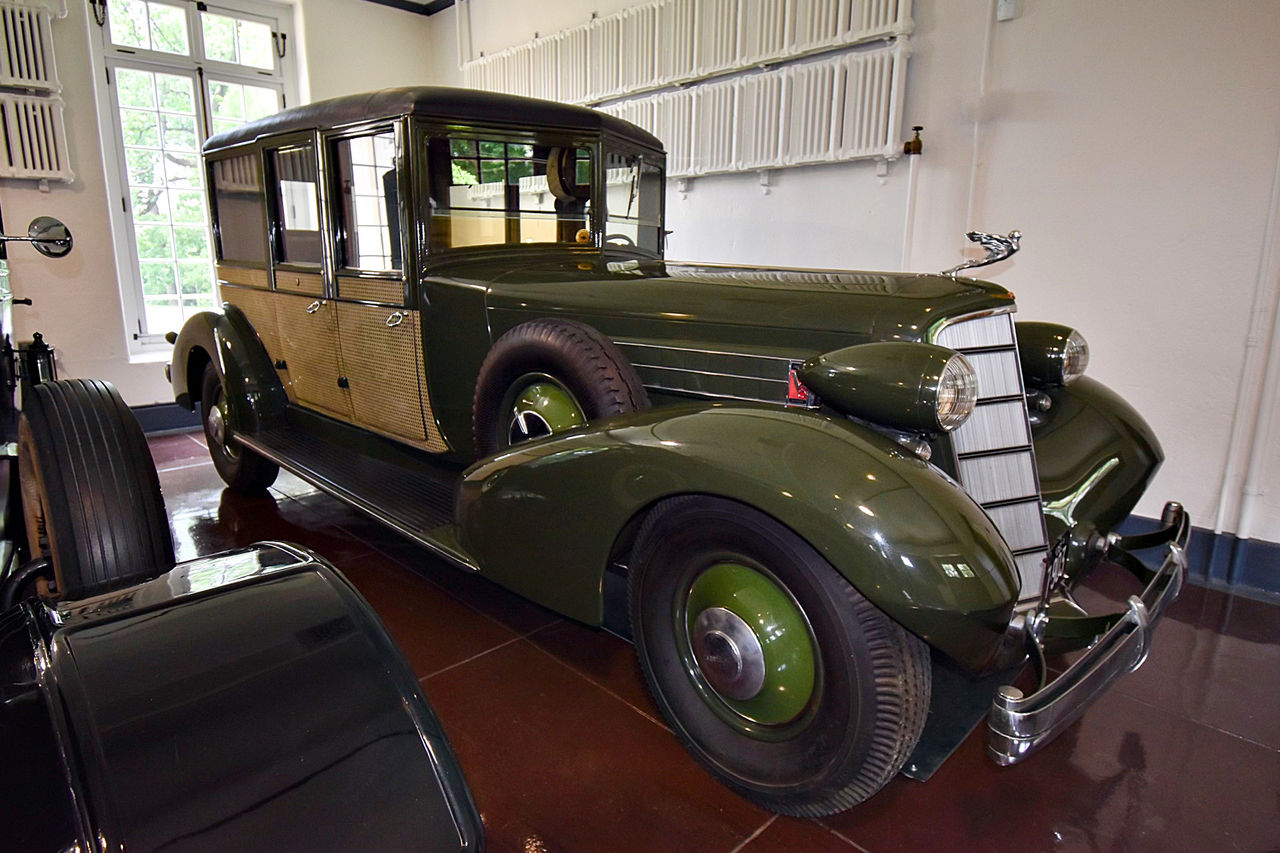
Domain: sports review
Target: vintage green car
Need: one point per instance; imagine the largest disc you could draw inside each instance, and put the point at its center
(800, 492)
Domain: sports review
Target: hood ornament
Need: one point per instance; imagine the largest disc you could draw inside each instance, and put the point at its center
(998, 248)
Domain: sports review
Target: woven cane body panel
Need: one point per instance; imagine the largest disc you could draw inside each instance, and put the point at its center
(309, 342)
(259, 307)
(244, 276)
(386, 291)
(383, 364)
(311, 284)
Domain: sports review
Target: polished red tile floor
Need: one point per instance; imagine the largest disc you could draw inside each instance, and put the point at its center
(565, 752)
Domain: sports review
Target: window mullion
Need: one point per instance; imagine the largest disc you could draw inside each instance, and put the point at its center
(161, 247)
(206, 122)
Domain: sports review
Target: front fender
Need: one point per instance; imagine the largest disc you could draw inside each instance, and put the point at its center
(257, 399)
(543, 519)
(1096, 456)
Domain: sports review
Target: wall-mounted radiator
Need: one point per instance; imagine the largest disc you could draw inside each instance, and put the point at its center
(32, 130)
(725, 118)
(35, 139)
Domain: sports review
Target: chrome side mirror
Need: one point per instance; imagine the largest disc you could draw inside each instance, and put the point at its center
(48, 235)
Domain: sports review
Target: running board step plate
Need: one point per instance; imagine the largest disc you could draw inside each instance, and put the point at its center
(413, 498)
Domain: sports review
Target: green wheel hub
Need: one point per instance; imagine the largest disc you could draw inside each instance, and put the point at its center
(748, 646)
(537, 406)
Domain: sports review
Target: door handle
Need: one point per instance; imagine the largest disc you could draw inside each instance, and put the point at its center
(395, 319)
(314, 307)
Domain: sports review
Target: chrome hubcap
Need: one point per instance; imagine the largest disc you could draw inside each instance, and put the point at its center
(728, 653)
(217, 424)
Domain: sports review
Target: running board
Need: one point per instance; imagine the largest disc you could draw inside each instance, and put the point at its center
(412, 497)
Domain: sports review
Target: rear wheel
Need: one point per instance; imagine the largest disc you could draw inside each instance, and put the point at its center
(91, 498)
(776, 673)
(238, 466)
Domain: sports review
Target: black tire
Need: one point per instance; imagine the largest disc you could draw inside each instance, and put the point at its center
(871, 679)
(238, 466)
(575, 356)
(91, 497)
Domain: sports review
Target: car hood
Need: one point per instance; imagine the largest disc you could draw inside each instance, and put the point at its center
(845, 306)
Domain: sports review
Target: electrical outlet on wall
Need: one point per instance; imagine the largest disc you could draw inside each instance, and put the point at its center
(1006, 10)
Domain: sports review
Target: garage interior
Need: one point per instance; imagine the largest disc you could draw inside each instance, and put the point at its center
(1135, 146)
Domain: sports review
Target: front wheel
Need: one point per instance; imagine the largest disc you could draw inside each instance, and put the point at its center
(779, 677)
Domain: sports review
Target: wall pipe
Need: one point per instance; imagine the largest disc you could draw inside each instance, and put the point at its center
(465, 51)
(1256, 394)
(977, 115)
(909, 221)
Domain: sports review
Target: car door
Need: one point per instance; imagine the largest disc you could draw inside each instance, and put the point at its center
(379, 330)
(306, 317)
(240, 232)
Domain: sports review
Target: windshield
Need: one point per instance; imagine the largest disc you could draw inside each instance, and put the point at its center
(634, 184)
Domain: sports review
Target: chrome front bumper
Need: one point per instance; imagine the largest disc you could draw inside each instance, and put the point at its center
(1018, 725)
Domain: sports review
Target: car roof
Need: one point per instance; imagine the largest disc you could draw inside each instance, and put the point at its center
(442, 102)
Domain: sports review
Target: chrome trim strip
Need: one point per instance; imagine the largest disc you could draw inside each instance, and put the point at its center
(649, 387)
(782, 381)
(456, 557)
(708, 351)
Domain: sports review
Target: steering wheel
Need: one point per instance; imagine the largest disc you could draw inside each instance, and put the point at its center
(619, 239)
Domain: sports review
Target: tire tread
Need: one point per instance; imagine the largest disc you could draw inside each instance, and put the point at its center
(606, 383)
(901, 673)
(102, 491)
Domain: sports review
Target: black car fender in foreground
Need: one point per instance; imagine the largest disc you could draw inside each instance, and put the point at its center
(249, 700)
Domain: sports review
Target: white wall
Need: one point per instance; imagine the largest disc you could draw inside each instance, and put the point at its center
(76, 301)
(1134, 144)
(353, 46)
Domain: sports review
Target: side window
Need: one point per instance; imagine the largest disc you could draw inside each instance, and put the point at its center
(367, 201)
(297, 199)
(240, 216)
(493, 191)
(634, 185)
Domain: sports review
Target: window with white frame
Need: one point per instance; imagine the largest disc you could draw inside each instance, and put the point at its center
(177, 72)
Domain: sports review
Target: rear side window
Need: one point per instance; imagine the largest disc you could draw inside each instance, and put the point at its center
(367, 200)
(297, 200)
(239, 209)
(489, 191)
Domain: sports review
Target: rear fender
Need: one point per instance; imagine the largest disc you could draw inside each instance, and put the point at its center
(1096, 456)
(256, 397)
(542, 519)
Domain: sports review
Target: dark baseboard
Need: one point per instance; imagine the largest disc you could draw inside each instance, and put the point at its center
(1249, 567)
(160, 418)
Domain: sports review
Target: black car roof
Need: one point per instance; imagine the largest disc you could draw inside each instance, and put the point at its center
(470, 106)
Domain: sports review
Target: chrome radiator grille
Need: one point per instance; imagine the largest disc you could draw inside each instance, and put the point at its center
(994, 458)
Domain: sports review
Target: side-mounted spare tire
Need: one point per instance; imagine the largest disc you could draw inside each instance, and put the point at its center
(546, 376)
(90, 493)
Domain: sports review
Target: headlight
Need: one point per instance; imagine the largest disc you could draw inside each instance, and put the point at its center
(1052, 355)
(1075, 357)
(958, 392)
(908, 387)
